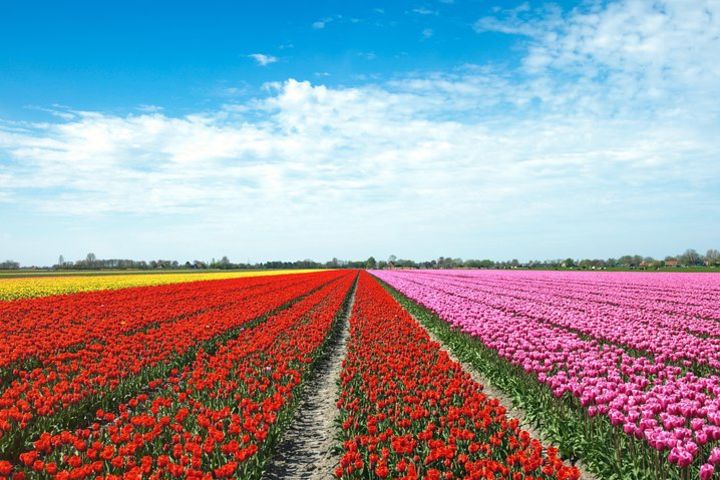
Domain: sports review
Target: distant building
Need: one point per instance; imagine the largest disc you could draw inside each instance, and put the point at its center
(671, 262)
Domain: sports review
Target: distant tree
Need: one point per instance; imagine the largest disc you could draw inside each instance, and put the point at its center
(61, 261)
(449, 262)
(371, 263)
(690, 258)
(632, 261)
(223, 263)
(89, 261)
(568, 263)
(392, 259)
(712, 257)
(403, 263)
(9, 265)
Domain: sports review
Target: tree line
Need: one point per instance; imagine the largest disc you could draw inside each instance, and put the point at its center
(91, 262)
(689, 259)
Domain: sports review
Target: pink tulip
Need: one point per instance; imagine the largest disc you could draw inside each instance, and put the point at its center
(715, 456)
(573, 332)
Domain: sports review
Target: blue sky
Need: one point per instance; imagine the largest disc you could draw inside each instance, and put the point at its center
(284, 130)
(186, 55)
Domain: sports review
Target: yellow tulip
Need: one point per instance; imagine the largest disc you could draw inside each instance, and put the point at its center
(41, 286)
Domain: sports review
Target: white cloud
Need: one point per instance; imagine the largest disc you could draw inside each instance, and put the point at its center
(424, 11)
(427, 32)
(263, 59)
(659, 45)
(366, 148)
(521, 20)
(671, 41)
(149, 108)
(323, 22)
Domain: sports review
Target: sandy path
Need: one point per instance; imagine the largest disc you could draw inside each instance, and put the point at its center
(305, 450)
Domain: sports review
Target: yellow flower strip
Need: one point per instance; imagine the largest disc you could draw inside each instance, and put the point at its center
(41, 286)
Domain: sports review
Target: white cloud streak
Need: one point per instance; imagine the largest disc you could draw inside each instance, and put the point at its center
(324, 22)
(424, 11)
(263, 59)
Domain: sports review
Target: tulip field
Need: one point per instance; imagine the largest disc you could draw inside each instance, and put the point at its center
(202, 376)
(409, 411)
(630, 358)
(40, 286)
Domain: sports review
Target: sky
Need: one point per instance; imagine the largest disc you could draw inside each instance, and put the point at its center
(292, 130)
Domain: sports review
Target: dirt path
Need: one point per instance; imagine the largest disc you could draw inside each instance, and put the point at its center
(305, 451)
(505, 401)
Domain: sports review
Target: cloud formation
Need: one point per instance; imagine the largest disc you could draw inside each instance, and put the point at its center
(263, 59)
(607, 119)
(424, 11)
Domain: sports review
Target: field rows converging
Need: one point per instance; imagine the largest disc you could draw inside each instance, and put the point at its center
(357, 375)
(214, 415)
(409, 411)
(638, 377)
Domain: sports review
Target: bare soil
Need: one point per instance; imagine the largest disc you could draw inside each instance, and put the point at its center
(306, 450)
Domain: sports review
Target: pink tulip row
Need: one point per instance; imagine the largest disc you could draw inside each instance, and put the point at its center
(668, 338)
(667, 293)
(581, 347)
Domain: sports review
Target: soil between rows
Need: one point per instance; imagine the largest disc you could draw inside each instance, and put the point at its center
(307, 449)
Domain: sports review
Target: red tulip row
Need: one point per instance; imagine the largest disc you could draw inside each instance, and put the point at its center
(409, 411)
(69, 385)
(216, 418)
(34, 328)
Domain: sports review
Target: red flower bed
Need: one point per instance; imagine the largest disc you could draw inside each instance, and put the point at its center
(36, 327)
(70, 384)
(409, 411)
(214, 419)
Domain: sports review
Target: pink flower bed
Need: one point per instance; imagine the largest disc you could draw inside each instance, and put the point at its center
(624, 344)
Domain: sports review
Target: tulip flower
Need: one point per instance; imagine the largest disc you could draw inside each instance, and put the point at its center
(634, 348)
